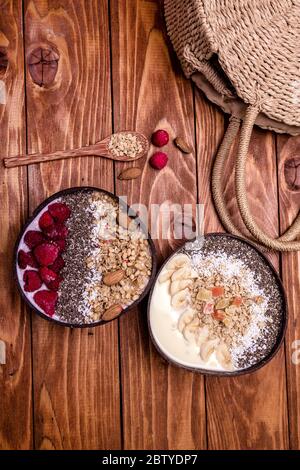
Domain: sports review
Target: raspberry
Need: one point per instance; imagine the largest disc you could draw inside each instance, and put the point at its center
(50, 278)
(45, 221)
(54, 285)
(57, 265)
(56, 232)
(59, 211)
(26, 259)
(46, 253)
(158, 160)
(32, 281)
(46, 300)
(160, 138)
(33, 238)
(61, 244)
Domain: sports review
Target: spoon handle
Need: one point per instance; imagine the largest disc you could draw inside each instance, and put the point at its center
(99, 149)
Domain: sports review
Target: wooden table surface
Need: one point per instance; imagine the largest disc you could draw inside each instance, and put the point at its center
(107, 388)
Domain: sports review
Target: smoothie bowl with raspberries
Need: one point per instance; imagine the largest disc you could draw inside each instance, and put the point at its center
(81, 260)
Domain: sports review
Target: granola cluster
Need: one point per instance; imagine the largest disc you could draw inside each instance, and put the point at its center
(120, 254)
(224, 306)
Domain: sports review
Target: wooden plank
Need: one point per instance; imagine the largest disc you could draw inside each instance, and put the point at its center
(241, 411)
(163, 406)
(289, 198)
(76, 373)
(15, 375)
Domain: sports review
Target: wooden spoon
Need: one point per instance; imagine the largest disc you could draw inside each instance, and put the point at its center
(99, 149)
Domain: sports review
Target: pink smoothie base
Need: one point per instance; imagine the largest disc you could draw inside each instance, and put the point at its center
(34, 225)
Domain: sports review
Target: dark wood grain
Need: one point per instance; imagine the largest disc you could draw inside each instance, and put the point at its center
(289, 200)
(70, 396)
(240, 411)
(15, 375)
(163, 407)
(76, 373)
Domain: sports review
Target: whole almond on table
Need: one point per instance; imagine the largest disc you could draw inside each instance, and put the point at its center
(183, 145)
(112, 312)
(130, 173)
(112, 278)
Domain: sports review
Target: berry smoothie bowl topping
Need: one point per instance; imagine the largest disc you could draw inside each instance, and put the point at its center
(78, 264)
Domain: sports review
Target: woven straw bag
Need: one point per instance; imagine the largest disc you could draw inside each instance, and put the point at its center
(245, 56)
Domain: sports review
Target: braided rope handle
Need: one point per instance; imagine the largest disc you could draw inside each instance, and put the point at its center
(286, 241)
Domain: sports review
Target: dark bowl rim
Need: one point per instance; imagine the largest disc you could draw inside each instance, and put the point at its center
(281, 333)
(37, 210)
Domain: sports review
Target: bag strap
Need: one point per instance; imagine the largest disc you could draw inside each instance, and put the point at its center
(283, 243)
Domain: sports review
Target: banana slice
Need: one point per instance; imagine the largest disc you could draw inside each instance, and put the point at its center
(186, 318)
(202, 335)
(190, 331)
(207, 348)
(224, 357)
(178, 261)
(182, 273)
(176, 286)
(165, 275)
(181, 299)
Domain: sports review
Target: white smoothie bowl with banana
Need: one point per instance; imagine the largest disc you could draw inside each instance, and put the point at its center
(217, 309)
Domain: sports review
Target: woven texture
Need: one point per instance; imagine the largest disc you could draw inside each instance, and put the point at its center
(250, 48)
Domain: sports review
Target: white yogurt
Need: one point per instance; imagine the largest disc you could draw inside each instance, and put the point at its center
(163, 322)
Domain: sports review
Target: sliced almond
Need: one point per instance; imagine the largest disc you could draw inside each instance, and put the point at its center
(112, 312)
(182, 145)
(112, 278)
(130, 173)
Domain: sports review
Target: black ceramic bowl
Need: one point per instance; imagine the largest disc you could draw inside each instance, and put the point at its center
(35, 216)
(277, 342)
